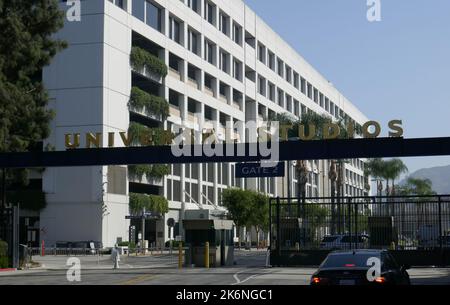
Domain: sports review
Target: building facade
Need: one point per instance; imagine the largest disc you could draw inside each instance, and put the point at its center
(224, 64)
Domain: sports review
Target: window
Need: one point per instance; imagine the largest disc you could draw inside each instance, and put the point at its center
(331, 108)
(194, 5)
(280, 68)
(210, 52)
(262, 86)
(153, 16)
(175, 30)
(210, 12)
(250, 40)
(262, 53)
(237, 69)
(296, 80)
(310, 91)
(288, 74)
(224, 23)
(321, 100)
(327, 104)
(139, 9)
(224, 61)
(271, 62)
(193, 42)
(272, 96)
(288, 103)
(303, 85)
(237, 34)
(280, 97)
(316, 95)
(119, 3)
(296, 108)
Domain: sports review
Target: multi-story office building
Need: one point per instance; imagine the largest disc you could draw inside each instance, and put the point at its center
(224, 65)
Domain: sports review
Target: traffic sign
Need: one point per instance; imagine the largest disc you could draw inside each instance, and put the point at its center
(171, 222)
(255, 170)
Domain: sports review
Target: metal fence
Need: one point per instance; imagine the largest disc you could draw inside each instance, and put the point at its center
(396, 222)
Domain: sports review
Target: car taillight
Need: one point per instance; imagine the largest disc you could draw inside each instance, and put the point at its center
(319, 280)
(349, 265)
(380, 280)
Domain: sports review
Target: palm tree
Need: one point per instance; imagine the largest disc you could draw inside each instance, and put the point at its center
(394, 169)
(376, 168)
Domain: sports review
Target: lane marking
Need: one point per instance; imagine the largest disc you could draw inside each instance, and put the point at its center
(139, 279)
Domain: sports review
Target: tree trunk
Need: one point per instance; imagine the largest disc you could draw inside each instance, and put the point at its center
(239, 236)
(257, 237)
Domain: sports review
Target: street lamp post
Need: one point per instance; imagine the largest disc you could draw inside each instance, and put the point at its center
(332, 175)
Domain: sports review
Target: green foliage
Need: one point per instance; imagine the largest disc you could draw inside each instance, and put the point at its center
(155, 136)
(27, 45)
(259, 218)
(151, 104)
(140, 58)
(157, 171)
(33, 200)
(238, 203)
(3, 255)
(416, 186)
(150, 202)
(175, 244)
(130, 245)
(247, 208)
(390, 170)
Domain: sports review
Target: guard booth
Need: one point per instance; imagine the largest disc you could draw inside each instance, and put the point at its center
(203, 226)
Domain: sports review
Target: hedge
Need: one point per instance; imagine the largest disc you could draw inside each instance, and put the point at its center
(157, 171)
(152, 203)
(157, 136)
(153, 105)
(3, 255)
(140, 58)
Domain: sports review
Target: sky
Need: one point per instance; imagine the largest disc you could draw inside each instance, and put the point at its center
(397, 68)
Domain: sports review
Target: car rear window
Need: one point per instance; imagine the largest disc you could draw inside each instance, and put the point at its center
(329, 239)
(353, 239)
(347, 260)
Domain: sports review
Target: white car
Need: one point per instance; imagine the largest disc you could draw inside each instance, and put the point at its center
(344, 241)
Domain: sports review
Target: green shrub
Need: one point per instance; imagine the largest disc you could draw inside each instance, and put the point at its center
(155, 136)
(157, 171)
(3, 248)
(153, 105)
(175, 244)
(140, 58)
(152, 203)
(4, 263)
(130, 245)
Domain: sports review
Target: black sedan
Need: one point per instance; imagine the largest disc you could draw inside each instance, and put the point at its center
(360, 267)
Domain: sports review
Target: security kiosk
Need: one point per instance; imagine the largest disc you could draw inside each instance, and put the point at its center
(207, 229)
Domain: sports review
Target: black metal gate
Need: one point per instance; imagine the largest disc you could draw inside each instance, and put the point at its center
(415, 228)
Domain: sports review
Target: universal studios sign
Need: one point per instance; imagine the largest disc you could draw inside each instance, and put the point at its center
(263, 138)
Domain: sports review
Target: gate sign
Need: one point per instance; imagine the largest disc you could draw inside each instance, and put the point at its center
(255, 170)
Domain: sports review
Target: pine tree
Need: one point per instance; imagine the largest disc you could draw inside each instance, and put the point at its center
(26, 46)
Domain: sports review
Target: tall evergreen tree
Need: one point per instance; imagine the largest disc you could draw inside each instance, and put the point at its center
(26, 46)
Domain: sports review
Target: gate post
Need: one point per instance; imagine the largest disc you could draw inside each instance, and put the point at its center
(440, 231)
(349, 217)
(440, 221)
(278, 240)
(356, 223)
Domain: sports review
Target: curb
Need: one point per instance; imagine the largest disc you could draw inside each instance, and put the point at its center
(8, 269)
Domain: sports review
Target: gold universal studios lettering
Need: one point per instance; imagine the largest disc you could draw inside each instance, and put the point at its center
(370, 129)
(330, 131)
(94, 140)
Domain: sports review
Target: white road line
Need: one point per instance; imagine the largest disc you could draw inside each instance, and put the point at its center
(238, 281)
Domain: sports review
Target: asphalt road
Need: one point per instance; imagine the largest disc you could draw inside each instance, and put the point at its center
(249, 270)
